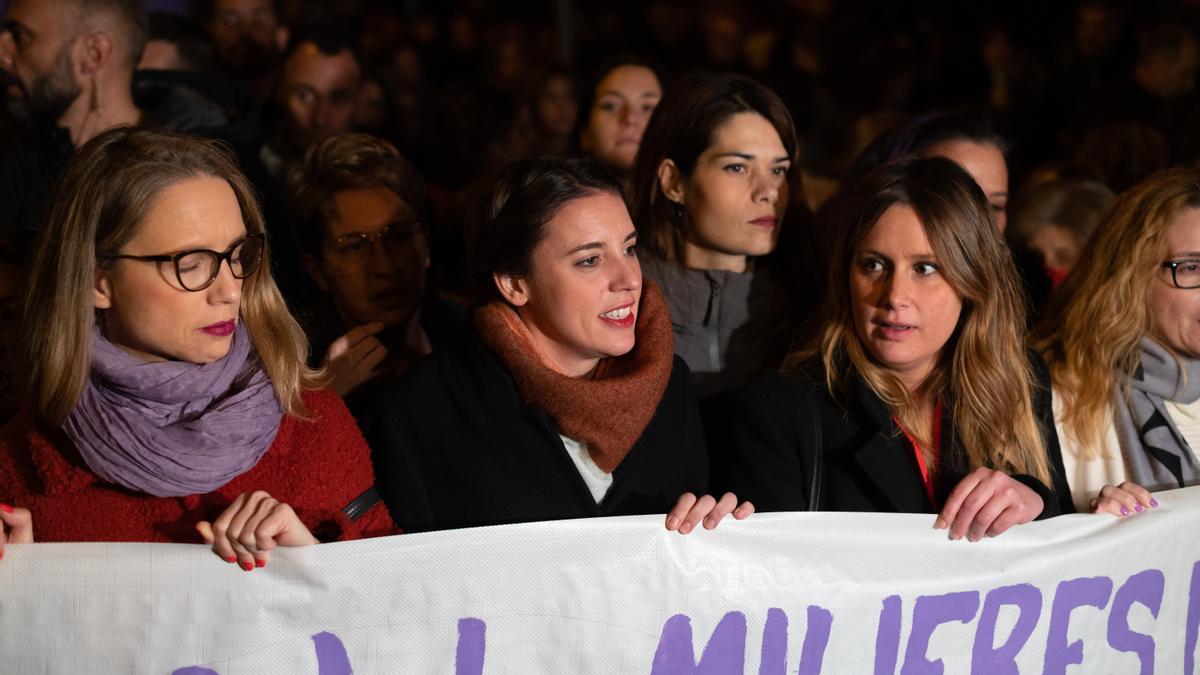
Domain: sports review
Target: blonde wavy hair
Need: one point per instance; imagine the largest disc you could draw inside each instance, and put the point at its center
(106, 191)
(1090, 336)
(983, 372)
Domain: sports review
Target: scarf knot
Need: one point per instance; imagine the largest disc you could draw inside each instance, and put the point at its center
(608, 412)
(1156, 453)
(171, 429)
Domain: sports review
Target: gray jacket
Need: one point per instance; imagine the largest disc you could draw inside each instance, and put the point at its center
(720, 320)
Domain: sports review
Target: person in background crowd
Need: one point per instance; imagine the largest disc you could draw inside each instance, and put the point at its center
(920, 395)
(359, 209)
(1123, 345)
(70, 63)
(565, 399)
(168, 396)
(554, 111)
(713, 188)
(176, 84)
(615, 111)
(249, 40)
(316, 96)
(1057, 219)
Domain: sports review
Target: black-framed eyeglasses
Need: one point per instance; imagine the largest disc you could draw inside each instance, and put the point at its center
(1184, 273)
(353, 252)
(197, 268)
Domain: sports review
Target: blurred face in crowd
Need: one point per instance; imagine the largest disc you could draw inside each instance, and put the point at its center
(318, 91)
(36, 53)
(374, 258)
(1175, 312)
(904, 310)
(1170, 73)
(985, 162)
(556, 107)
(247, 34)
(145, 310)
(580, 298)
(624, 100)
(1059, 248)
(737, 195)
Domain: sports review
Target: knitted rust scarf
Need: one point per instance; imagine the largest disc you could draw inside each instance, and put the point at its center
(608, 412)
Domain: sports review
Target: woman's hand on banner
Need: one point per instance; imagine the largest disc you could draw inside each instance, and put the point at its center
(986, 503)
(689, 511)
(252, 526)
(16, 526)
(1123, 500)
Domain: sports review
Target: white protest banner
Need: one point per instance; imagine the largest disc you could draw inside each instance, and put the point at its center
(777, 593)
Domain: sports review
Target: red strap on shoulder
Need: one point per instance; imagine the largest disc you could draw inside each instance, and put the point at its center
(919, 457)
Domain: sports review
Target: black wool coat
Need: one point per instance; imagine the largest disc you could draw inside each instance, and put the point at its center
(764, 444)
(454, 445)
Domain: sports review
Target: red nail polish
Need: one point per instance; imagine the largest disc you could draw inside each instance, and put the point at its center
(6, 508)
(247, 566)
(231, 559)
(260, 563)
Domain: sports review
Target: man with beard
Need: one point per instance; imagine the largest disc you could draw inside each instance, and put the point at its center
(66, 68)
(249, 40)
(69, 63)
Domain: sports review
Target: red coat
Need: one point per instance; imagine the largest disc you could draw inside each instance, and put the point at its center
(317, 466)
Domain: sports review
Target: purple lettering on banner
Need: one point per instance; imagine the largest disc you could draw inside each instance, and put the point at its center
(724, 653)
(194, 670)
(1146, 588)
(774, 644)
(472, 645)
(1193, 623)
(887, 639)
(929, 612)
(816, 639)
(1090, 591)
(986, 658)
(331, 655)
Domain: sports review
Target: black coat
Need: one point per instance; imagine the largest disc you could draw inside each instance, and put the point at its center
(765, 435)
(455, 446)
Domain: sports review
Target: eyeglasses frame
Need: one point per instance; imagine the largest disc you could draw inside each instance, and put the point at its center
(225, 257)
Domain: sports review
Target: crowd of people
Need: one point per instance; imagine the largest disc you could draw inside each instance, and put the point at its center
(275, 273)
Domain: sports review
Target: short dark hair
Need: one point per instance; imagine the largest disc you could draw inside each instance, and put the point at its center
(347, 162)
(330, 40)
(130, 14)
(522, 200)
(681, 129)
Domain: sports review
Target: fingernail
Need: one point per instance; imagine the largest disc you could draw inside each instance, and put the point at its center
(1154, 503)
(1124, 511)
(939, 524)
(231, 559)
(685, 528)
(6, 508)
(247, 566)
(1137, 507)
(260, 563)
(672, 523)
(1, 555)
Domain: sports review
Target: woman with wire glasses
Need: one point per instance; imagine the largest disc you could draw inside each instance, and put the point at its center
(1123, 345)
(358, 209)
(169, 398)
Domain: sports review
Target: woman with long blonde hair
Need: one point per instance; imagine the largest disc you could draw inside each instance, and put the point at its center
(1123, 348)
(169, 397)
(919, 395)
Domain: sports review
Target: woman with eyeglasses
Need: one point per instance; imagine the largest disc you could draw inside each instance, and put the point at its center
(564, 398)
(919, 396)
(1123, 345)
(358, 209)
(169, 398)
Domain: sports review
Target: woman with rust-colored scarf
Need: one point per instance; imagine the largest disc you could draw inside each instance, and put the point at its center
(564, 398)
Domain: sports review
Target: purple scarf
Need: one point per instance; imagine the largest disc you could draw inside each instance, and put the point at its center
(171, 429)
